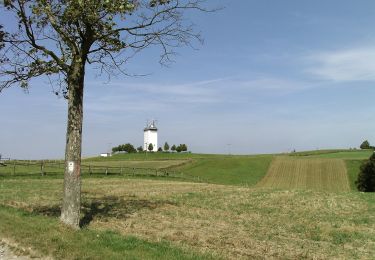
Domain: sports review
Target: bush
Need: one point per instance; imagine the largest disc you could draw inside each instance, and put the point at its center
(366, 177)
(365, 145)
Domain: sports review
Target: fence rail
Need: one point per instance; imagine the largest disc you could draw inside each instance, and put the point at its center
(56, 167)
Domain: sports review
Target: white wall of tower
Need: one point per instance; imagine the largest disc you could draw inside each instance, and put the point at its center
(150, 137)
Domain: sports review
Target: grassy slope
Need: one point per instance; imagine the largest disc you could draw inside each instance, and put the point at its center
(347, 155)
(232, 170)
(353, 160)
(335, 153)
(230, 221)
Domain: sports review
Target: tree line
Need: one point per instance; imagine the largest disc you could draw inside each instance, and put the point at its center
(129, 148)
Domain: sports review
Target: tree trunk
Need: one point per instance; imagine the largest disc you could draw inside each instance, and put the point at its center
(70, 214)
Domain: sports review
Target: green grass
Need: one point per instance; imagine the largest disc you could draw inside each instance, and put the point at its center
(231, 170)
(50, 238)
(337, 154)
(353, 168)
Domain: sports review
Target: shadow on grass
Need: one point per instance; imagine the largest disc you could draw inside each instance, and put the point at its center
(104, 208)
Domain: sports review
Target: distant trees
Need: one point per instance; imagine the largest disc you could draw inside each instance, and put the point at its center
(366, 177)
(129, 148)
(166, 147)
(181, 148)
(365, 145)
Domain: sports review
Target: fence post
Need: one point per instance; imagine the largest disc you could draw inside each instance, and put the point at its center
(14, 167)
(133, 171)
(121, 170)
(156, 172)
(42, 168)
(106, 171)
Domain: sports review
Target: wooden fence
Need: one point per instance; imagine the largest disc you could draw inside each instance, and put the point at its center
(57, 167)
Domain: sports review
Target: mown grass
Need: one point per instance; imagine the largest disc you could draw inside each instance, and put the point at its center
(50, 238)
(220, 220)
(353, 168)
(337, 154)
(231, 170)
(306, 173)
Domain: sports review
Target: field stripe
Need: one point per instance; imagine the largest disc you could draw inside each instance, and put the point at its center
(314, 173)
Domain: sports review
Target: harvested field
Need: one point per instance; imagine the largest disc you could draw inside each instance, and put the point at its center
(315, 173)
(227, 221)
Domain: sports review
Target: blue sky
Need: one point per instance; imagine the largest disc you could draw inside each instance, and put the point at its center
(271, 76)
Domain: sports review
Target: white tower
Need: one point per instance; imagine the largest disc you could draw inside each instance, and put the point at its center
(150, 136)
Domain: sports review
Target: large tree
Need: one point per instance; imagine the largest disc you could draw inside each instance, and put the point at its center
(58, 38)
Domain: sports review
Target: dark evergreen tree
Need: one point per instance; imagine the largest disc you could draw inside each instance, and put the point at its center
(366, 177)
(166, 147)
(365, 145)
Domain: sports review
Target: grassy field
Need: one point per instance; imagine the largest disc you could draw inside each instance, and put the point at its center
(189, 220)
(295, 173)
(303, 208)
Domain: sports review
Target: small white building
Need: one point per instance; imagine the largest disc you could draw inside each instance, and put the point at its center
(150, 136)
(105, 155)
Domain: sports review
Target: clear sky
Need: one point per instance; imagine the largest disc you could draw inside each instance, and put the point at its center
(272, 76)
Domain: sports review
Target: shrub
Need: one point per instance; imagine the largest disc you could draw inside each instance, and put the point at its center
(366, 177)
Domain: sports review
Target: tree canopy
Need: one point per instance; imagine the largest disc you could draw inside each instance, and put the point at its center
(58, 38)
(53, 35)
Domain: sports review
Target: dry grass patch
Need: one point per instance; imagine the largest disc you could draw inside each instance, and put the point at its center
(246, 223)
(316, 174)
(232, 222)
